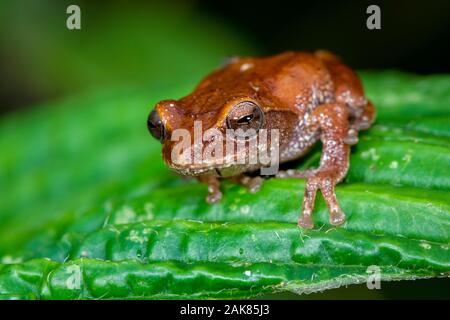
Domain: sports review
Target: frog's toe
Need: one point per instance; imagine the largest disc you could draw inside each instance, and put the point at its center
(306, 222)
(352, 137)
(214, 197)
(337, 218)
(254, 184)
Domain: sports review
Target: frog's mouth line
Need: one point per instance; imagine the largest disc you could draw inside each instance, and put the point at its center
(220, 172)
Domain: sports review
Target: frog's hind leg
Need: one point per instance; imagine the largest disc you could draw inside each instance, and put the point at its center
(360, 119)
(332, 121)
(348, 91)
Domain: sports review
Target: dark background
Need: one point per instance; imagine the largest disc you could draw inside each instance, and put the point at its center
(414, 36)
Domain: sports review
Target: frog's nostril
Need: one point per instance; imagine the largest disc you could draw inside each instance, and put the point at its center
(155, 126)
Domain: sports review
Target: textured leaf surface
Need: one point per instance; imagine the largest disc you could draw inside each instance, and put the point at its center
(89, 199)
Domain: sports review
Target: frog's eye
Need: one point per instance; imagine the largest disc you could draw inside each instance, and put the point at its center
(245, 115)
(155, 126)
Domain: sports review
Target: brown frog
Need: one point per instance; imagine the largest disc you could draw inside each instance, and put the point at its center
(305, 96)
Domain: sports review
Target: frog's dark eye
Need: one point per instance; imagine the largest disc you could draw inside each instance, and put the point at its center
(155, 126)
(245, 115)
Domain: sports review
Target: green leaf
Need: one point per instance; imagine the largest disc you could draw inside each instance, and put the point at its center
(92, 212)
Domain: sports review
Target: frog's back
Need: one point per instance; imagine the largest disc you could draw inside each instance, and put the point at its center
(296, 80)
(303, 78)
(291, 81)
(302, 81)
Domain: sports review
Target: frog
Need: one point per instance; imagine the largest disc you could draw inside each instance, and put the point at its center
(309, 97)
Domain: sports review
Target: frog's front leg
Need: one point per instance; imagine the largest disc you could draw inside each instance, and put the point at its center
(214, 193)
(253, 184)
(332, 122)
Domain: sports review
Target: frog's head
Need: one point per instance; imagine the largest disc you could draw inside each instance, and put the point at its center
(197, 142)
(202, 133)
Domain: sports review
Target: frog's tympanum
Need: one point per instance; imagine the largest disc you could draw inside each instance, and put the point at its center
(306, 97)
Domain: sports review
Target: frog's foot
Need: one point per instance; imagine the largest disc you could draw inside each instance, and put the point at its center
(366, 118)
(253, 184)
(325, 181)
(293, 173)
(214, 193)
(362, 119)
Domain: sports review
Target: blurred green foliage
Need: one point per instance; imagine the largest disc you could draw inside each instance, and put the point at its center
(138, 43)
